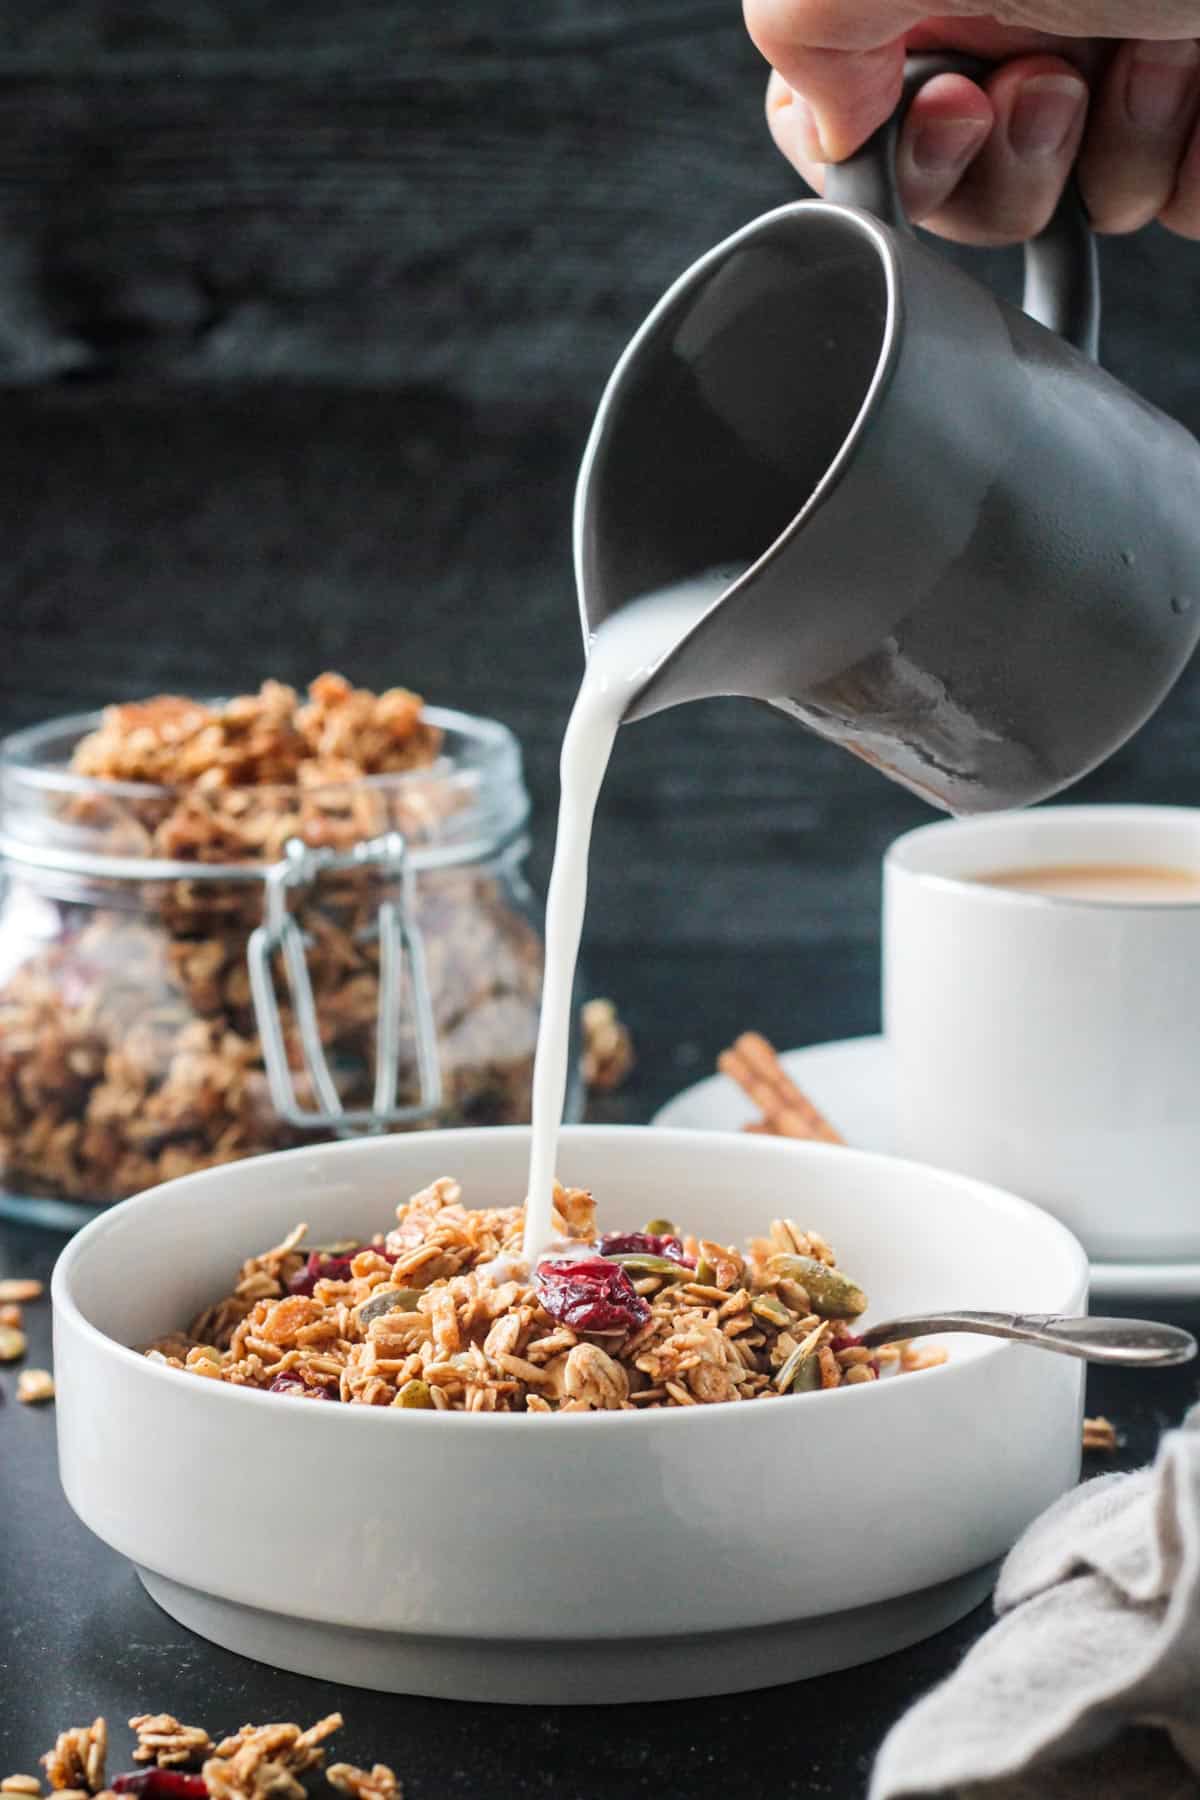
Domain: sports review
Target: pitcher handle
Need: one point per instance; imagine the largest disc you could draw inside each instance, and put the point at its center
(1062, 276)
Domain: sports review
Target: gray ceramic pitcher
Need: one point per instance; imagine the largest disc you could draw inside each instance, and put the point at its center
(953, 544)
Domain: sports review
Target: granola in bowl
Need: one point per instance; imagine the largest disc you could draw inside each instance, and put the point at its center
(440, 1530)
(441, 1314)
(140, 848)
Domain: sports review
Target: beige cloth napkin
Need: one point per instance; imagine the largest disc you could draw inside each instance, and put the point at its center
(1089, 1684)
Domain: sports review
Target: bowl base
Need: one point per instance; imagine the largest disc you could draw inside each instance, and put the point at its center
(584, 1672)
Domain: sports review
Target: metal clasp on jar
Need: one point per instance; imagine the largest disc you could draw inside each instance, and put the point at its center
(400, 951)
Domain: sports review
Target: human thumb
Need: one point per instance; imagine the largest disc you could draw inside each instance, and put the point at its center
(844, 57)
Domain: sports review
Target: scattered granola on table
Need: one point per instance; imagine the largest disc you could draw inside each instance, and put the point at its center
(20, 1291)
(257, 1762)
(1100, 1434)
(129, 1048)
(77, 1759)
(441, 1314)
(35, 1386)
(266, 1759)
(378, 1783)
(162, 1740)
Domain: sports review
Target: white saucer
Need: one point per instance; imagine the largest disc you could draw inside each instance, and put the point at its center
(851, 1082)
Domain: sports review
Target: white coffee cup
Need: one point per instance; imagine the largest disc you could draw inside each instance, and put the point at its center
(1052, 1045)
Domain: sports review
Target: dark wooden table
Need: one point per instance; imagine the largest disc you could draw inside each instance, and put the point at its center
(78, 1636)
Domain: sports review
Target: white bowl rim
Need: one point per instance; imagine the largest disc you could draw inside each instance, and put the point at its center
(865, 1394)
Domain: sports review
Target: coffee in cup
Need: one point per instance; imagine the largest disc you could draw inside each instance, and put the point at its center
(1131, 884)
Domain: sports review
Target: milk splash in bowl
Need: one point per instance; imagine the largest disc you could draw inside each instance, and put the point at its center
(621, 656)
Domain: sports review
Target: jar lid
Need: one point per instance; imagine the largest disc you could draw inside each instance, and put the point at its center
(462, 808)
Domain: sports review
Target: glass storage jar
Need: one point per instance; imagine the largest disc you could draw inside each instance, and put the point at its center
(184, 984)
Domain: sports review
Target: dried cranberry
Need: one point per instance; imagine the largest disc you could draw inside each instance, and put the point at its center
(292, 1384)
(320, 1268)
(323, 1267)
(161, 1784)
(645, 1243)
(592, 1295)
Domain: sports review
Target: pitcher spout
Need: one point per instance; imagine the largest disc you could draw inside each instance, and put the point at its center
(723, 419)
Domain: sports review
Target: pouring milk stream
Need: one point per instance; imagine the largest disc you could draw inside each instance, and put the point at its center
(621, 654)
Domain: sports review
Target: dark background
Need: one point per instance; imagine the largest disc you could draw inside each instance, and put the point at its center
(303, 314)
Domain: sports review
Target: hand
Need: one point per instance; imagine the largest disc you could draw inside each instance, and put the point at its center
(1110, 85)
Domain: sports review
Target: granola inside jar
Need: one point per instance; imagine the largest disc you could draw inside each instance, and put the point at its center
(317, 923)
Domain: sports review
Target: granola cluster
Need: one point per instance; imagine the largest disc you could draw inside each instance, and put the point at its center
(259, 1762)
(1100, 1435)
(442, 1314)
(266, 1760)
(76, 1763)
(607, 1056)
(163, 1741)
(263, 739)
(129, 1051)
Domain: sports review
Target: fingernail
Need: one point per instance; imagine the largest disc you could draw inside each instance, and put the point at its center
(1160, 79)
(1044, 114)
(779, 94)
(945, 143)
(811, 147)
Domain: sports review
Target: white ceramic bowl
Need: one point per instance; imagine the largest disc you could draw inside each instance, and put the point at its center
(588, 1557)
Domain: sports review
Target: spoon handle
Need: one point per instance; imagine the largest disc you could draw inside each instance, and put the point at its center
(1139, 1343)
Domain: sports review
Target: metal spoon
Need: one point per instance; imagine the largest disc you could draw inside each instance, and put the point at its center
(1139, 1343)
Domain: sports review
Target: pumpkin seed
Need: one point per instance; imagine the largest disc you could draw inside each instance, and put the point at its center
(387, 1300)
(414, 1393)
(342, 1247)
(660, 1228)
(831, 1293)
(807, 1379)
(771, 1311)
(637, 1262)
(801, 1373)
(705, 1273)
